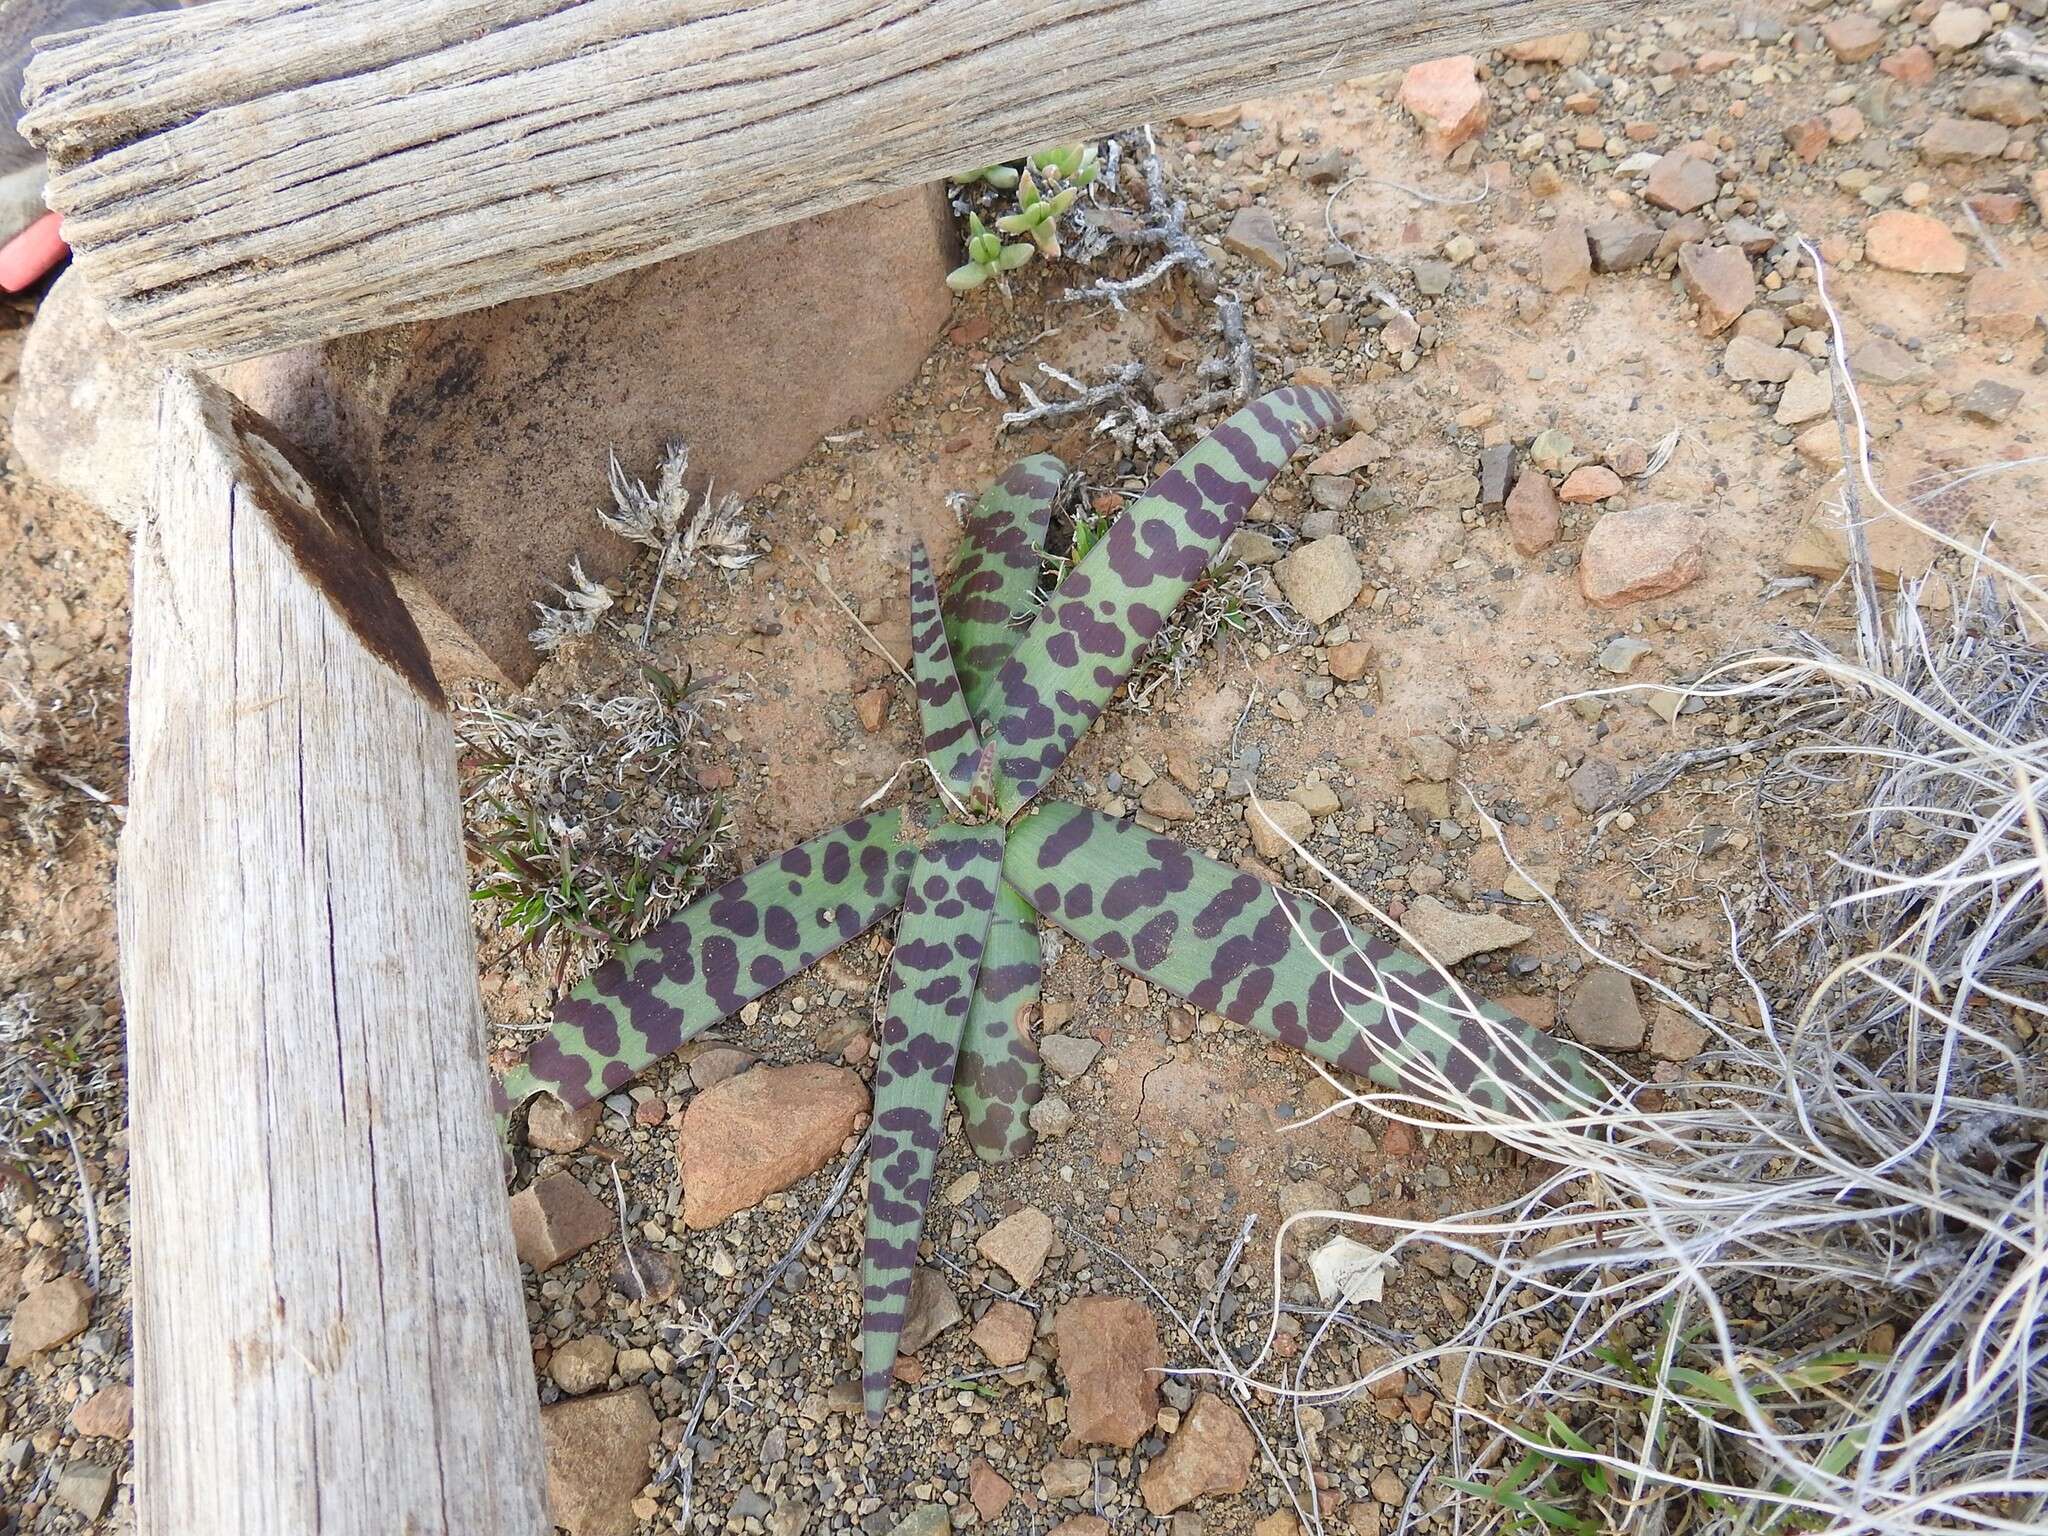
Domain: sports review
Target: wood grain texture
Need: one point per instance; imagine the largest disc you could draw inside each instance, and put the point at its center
(330, 1335)
(253, 174)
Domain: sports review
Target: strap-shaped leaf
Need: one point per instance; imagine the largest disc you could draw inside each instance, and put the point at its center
(719, 953)
(999, 1074)
(995, 573)
(1118, 597)
(1222, 939)
(946, 910)
(951, 743)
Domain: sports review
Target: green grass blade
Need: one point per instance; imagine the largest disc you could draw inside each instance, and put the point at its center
(999, 1076)
(995, 573)
(1222, 938)
(1093, 627)
(946, 909)
(951, 743)
(720, 952)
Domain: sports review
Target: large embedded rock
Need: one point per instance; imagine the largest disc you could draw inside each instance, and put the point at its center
(1110, 1355)
(760, 1132)
(596, 1451)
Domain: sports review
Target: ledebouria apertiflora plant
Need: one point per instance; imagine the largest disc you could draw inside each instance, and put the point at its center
(975, 866)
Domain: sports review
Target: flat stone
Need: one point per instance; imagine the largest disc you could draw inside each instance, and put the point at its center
(1630, 556)
(51, 1314)
(933, 1309)
(582, 1365)
(1989, 401)
(1446, 100)
(988, 1490)
(1621, 654)
(1884, 363)
(1432, 280)
(1589, 483)
(711, 1067)
(1959, 26)
(1351, 660)
(760, 1132)
(556, 1218)
(1901, 241)
(1681, 182)
(2008, 99)
(1534, 517)
(1255, 235)
(1809, 395)
(1909, 66)
(1603, 1013)
(1564, 49)
(109, 1414)
(924, 1520)
(1356, 452)
(1004, 1333)
(1593, 784)
(1954, 140)
(1286, 817)
(1431, 759)
(1081, 1525)
(1496, 473)
(1320, 579)
(1068, 1056)
(1747, 360)
(1332, 493)
(1111, 1360)
(1623, 244)
(85, 1488)
(553, 1126)
(1854, 37)
(871, 708)
(1209, 1454)
(1065, 1478)
(1450, 936)
(85, 408)
(597, 1449)
(1168, 801)
(1019, 1245)
(1719, 279)
(2003, 302)
(1317, 798)
(1564, 260)
(1675, 1036)
(1808, 138)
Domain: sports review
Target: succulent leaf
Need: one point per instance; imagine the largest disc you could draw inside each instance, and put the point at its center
(951, 743)
(946, 908)
(719, 953)
(1117, 597)
(999, 1076)
(1222, 938)
(995, 571)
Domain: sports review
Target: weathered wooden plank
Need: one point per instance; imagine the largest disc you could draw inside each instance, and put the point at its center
(329, 1329)
(252, 174)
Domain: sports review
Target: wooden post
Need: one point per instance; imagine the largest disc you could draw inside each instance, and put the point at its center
(329, 1329)
(241, 177)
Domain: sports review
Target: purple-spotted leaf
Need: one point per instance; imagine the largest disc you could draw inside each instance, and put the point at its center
(719, 953)
(999, 1076)
(996, 571)
(1099, 619)
(1231, 943)
(946, 909)
(951, 744)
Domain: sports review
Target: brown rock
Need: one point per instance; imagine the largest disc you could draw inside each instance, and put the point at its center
(1564, 49)
(871, 708)
(1631, 556)
(1081, 1525)
(556, 1218)
(1019, 1245)
(2007, 99)
(1909, 66)
(1282, 819)
(596, 1450)
(1445, 98)
(1111, 1359)
(1621, 245)
(1065, 1478)
(1747, 359)
(1675, 1036)
(553, 1126)
(1854, 37)
(1682, 182)
(1167, 800)
(932, 1310)
(1604, 1013)
(1565, 258)
(988, 1490)
(583, 1365)
(2003, 302)
(1533, 514)
(1898, 551)
(1719, 279)
(1884, 363)
(1912, 242)
(476, 443)
(85, 409)
(1955, 140)
(1005, 1333)
(1254, 235)
(760, 1132)
(1808, 138)
(53, 1313)
(1589, 483)
(1350, 456)
(1845, 126)
(1351, 660)
(1211, 1453)
(109, 1414)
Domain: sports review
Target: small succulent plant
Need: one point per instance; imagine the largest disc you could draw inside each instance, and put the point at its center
(1001, 177)
(987, 257)
(977, 866)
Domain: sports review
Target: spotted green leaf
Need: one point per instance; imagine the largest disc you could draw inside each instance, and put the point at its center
(951, 743)
(995, 572)
(1231, 943)
(998, 1080)
(946, 907)
(719, 953)
(1093, 627)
